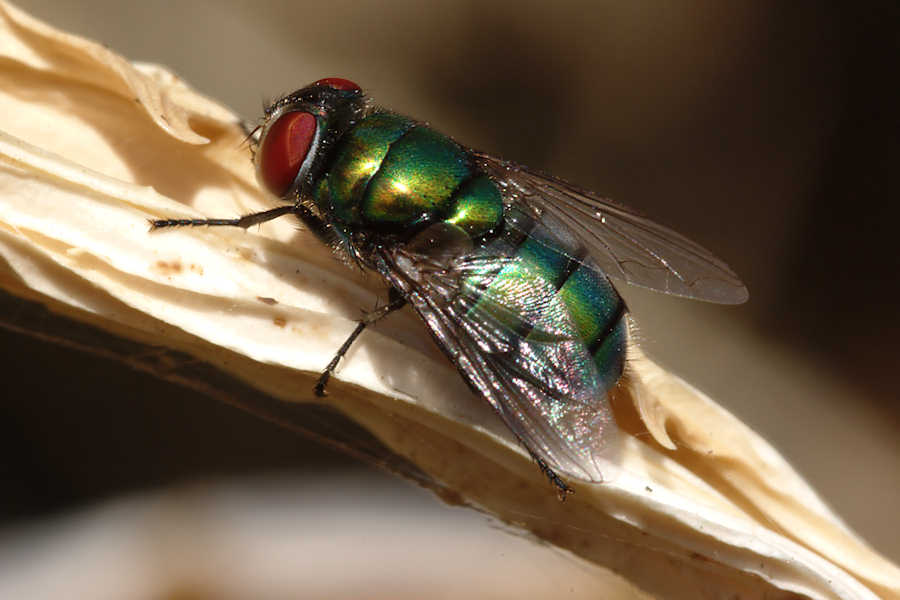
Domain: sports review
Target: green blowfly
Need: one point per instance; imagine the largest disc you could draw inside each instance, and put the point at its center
(507, 268)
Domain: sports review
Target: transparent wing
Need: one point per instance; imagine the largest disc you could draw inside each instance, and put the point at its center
(543, 383)
(625, 245)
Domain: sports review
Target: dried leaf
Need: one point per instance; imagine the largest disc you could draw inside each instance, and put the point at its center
(92, 146)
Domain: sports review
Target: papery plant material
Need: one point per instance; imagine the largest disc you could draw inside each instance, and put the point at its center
(92, 146)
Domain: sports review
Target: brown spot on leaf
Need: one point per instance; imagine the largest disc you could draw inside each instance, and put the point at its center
(280, 321)
(269, 301)
(168, 267)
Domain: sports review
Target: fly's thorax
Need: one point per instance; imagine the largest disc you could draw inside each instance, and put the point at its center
(478, 209)
(358, 157)
(391, 175)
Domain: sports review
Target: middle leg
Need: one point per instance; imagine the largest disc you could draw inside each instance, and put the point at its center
(395, 301)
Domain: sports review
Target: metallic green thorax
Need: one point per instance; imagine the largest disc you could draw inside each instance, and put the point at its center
(394, 175)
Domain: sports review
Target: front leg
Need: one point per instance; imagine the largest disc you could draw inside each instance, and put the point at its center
(395, 301)
(244, 221)
(312, 221)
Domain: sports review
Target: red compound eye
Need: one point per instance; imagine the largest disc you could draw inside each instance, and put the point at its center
(284, 149)
(339, 84)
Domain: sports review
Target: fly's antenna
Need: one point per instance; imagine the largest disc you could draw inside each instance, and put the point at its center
(251, 134)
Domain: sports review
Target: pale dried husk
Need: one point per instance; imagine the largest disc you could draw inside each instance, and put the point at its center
(92, 146)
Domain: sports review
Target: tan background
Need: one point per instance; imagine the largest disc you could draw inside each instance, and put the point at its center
(761, 129)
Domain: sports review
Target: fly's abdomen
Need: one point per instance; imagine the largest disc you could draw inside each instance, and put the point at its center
(544, 288)
(598, 314)
(393, 175)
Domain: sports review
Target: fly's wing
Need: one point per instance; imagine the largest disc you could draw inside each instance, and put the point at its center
(515, 345)
(625, 245)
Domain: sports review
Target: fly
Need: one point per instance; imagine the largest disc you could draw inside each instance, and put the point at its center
(507, 268)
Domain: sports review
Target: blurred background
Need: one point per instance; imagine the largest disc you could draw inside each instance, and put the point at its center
(767, 131)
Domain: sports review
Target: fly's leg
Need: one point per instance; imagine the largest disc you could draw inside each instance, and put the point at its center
(562, 488)
(395, 301)
(314, 223)
(244, 221)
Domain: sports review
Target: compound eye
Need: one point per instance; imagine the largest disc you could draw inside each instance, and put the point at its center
(283, 150)
(345, 85)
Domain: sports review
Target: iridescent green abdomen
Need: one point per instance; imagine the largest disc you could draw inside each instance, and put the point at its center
(392, 175)
(551, 294)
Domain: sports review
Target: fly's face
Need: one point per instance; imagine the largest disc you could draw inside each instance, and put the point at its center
(299, 130)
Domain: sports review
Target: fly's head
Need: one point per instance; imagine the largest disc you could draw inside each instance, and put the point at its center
(298, 131)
